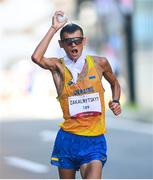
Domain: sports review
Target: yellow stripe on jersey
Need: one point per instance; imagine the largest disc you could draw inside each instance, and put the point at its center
(90, 62)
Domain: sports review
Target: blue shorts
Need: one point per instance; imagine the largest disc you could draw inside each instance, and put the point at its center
(71, 150)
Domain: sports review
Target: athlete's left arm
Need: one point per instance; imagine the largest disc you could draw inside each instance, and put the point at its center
(114, 104)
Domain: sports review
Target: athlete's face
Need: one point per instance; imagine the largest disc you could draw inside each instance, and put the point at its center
(73, 44)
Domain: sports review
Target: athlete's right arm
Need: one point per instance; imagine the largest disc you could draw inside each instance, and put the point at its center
(38, 55)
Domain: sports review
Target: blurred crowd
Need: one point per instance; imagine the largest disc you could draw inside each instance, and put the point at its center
(26, 23)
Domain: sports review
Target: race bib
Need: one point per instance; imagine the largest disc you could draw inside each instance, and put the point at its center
(84, 105)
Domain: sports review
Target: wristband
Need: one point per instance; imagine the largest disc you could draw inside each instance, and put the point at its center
(116, 101)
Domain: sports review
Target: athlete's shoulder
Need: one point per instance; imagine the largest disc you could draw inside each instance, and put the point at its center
(102, 61)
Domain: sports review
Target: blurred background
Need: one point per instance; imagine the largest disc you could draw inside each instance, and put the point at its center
(120, 30)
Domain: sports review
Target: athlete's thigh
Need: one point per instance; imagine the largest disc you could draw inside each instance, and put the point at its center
(91, 170)
(66, 173)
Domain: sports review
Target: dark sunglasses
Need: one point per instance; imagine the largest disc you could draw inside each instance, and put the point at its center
(70, 41)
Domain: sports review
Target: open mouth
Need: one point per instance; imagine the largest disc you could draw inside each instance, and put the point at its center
(74, 51)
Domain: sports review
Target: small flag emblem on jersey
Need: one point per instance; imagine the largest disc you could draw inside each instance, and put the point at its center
(92, 77)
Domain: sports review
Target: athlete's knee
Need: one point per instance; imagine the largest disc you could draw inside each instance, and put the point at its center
(93, 170)
(66, 173)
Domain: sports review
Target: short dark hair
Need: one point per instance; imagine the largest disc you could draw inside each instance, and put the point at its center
(70, 28)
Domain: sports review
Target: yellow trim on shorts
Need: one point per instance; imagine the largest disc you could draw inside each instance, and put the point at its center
(54, 159)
